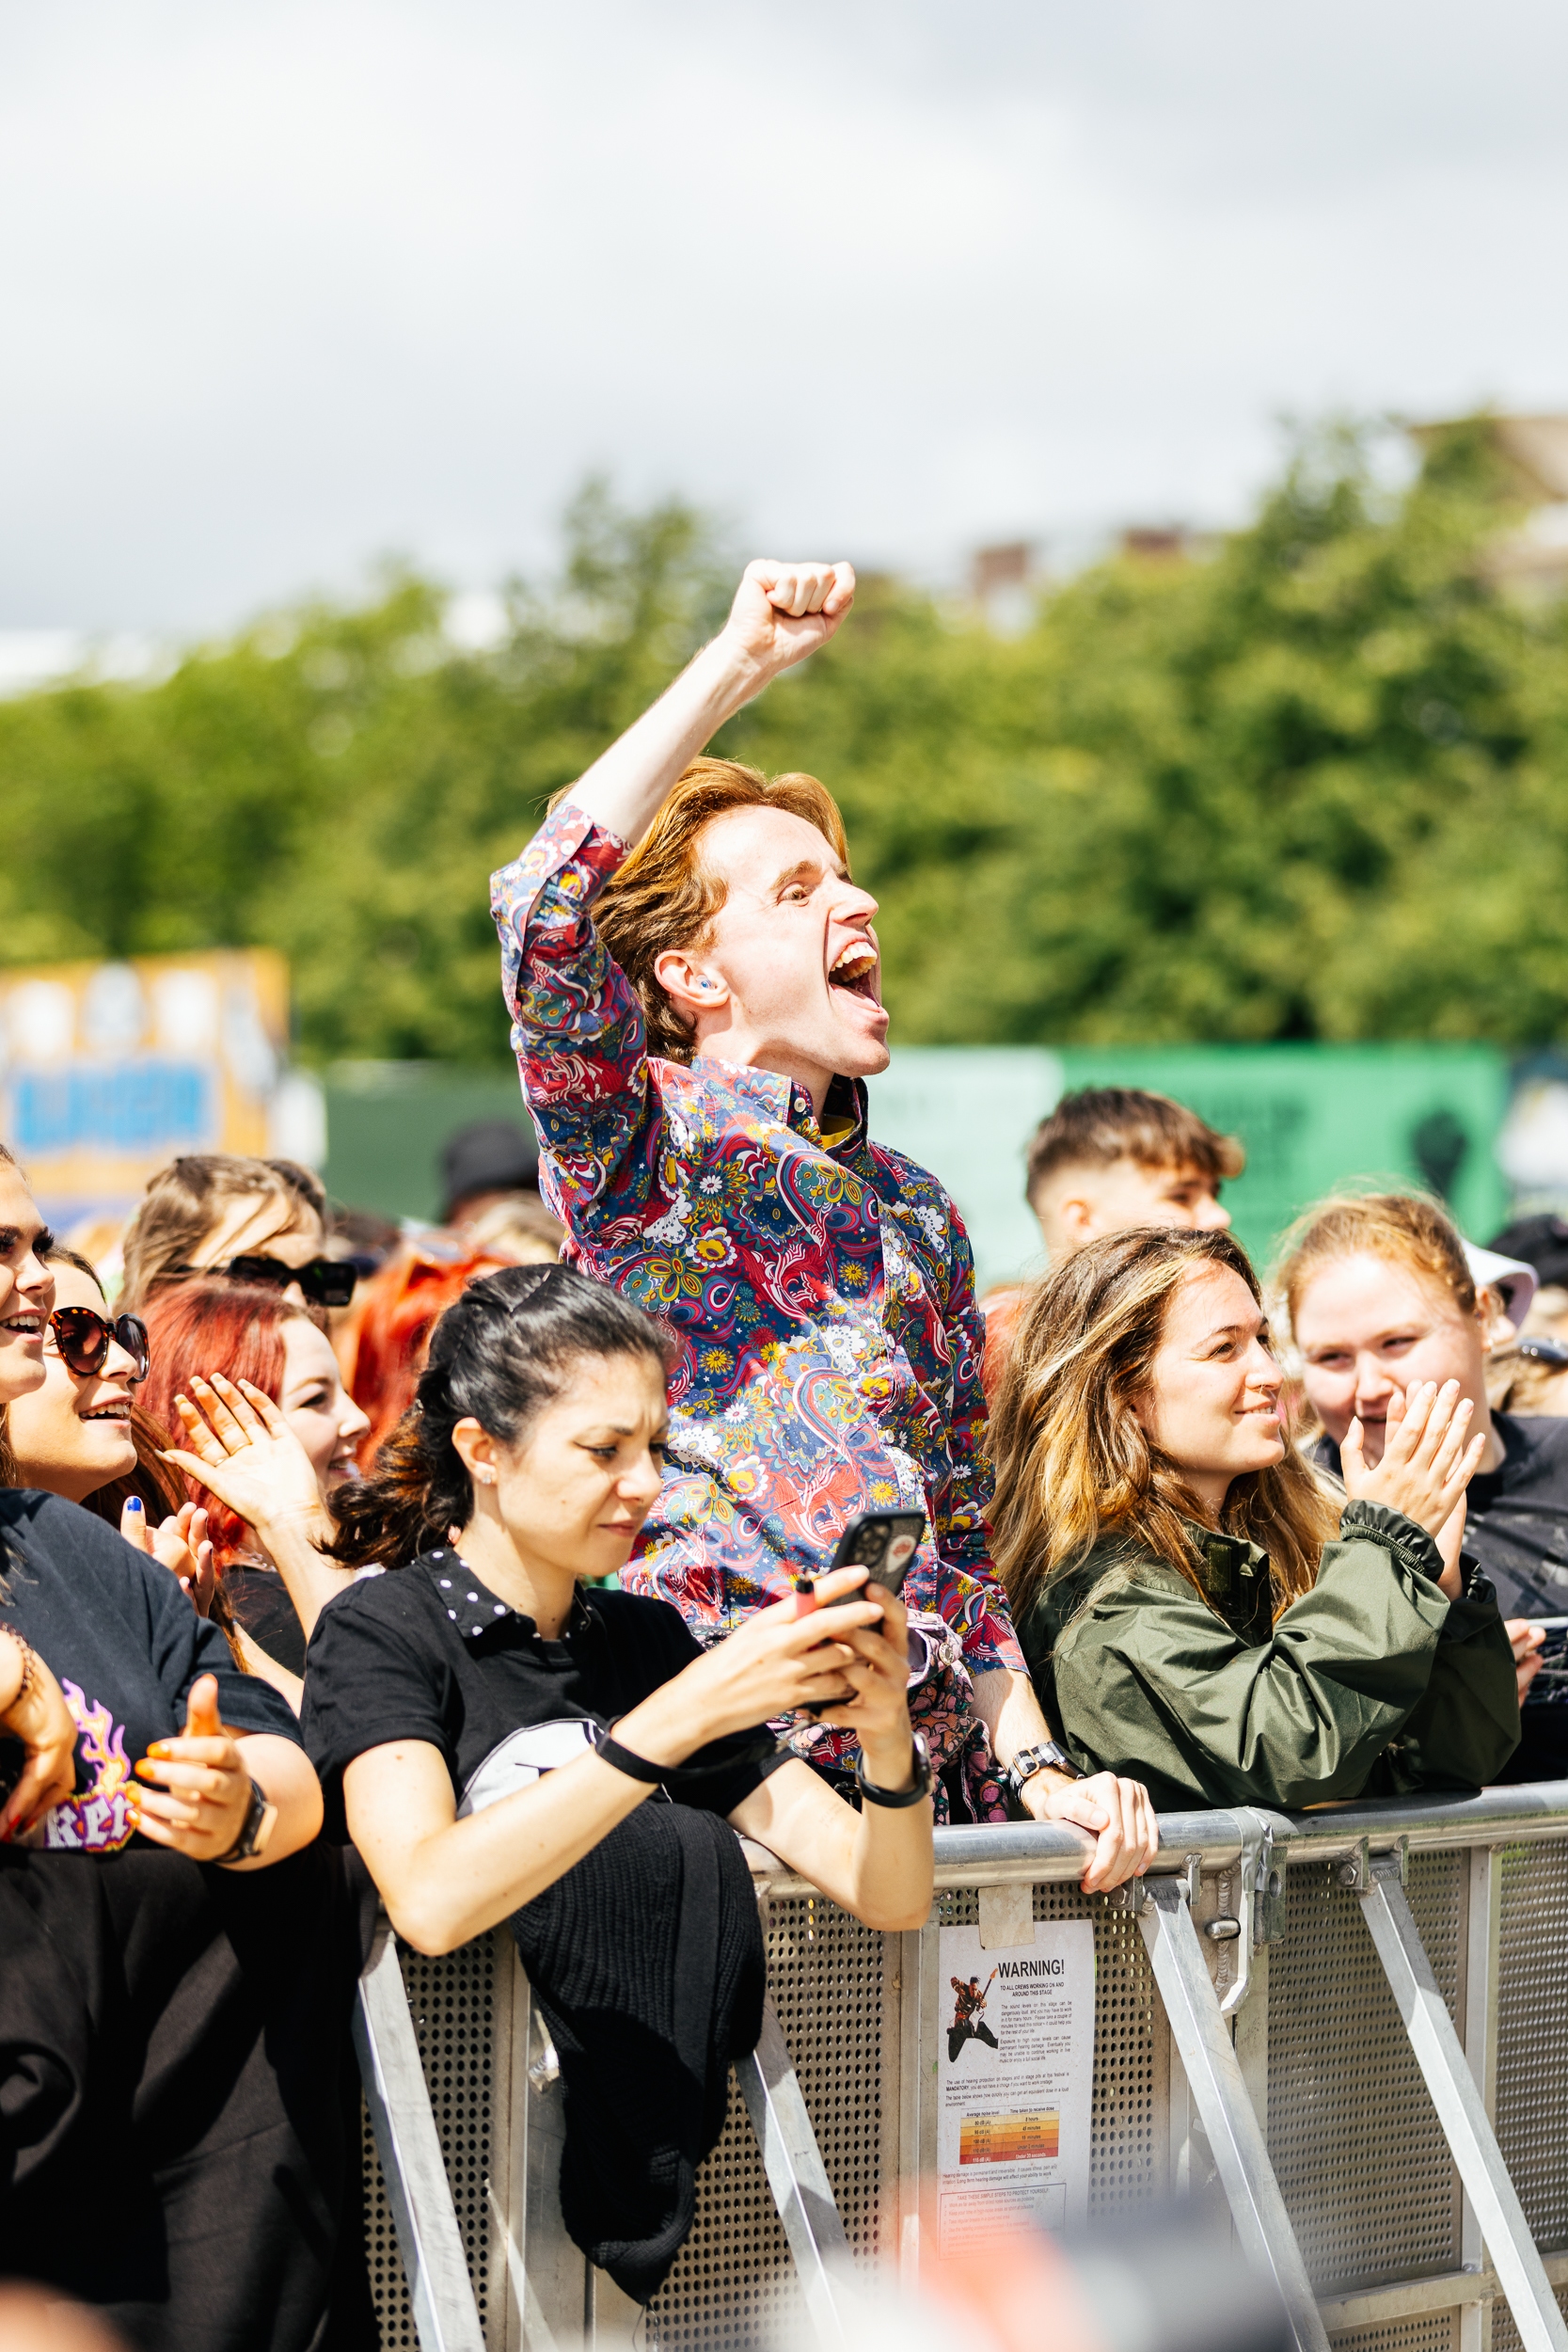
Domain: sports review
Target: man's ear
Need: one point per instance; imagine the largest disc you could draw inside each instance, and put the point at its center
(1075, 1216)
(692, 987)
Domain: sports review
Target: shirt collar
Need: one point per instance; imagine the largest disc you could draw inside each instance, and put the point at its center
(1225, 1557)
(788, 1103)
(474, 1608)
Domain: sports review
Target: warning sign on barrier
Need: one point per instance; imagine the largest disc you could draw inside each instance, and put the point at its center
(1016, 2074)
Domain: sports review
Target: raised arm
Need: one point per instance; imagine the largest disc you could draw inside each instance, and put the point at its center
(780, 613)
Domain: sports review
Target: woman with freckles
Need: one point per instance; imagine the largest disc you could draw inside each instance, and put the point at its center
(1192, 1604)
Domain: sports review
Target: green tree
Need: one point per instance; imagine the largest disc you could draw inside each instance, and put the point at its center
(1313, 787)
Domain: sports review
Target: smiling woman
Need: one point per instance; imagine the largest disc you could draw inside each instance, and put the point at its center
(1182, 1593)
(1381, 1296)
(267, 1439)
(160, 1821)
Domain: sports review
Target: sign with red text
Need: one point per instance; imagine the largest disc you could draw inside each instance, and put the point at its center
(1014, 2070)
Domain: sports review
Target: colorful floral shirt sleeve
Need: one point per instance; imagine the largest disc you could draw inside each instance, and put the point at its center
(961, 1500)
(576, 1025)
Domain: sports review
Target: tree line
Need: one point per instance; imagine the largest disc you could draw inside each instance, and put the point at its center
(1312, 786)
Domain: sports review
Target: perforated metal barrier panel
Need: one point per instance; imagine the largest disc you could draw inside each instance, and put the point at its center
(454, 2007)
(1358, 2149)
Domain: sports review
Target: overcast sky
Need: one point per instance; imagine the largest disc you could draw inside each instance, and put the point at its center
(289, 283)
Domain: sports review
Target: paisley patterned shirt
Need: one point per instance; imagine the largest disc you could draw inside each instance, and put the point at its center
(822, 1298)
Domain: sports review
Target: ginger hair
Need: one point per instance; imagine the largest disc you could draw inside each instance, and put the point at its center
(1404, 1226)
(1073, 1462)
(664, 897)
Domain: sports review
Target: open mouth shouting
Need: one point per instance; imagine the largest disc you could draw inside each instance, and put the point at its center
(853, 970)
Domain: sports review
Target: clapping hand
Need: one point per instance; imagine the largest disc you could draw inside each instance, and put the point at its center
(181, 1543)
(33, 1711)
(238, 1445)
(1426, 1464)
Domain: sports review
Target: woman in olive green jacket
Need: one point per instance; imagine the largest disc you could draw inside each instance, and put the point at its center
(1190, 1608)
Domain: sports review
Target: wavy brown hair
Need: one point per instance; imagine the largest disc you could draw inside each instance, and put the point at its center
(664, 897)
(1073, 1463)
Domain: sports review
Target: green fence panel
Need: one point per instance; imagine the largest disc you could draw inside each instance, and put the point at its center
(1311, 1117)
(388, 1120)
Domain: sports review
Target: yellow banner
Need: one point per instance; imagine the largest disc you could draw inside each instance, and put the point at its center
(107, 1070)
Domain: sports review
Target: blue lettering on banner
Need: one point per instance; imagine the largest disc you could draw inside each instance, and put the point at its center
(129, 1107)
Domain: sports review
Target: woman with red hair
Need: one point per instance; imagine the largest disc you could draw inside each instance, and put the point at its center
(267, 1435)
(397, 1310)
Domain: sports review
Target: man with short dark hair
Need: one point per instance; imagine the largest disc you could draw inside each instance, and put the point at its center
(491, 1161)
(1107, 1159)
(1111, 1157)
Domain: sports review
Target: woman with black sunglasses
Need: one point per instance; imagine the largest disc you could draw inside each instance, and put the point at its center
(178, 1948)
(84, 1435)
(254, 1221)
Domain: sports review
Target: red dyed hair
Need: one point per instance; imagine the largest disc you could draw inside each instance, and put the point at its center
(404, 1301)
(202, 1327)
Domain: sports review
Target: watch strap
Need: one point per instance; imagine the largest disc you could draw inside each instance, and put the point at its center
(1046, 1755)
(623, 1760)
(255, 1831)
(894, 1799)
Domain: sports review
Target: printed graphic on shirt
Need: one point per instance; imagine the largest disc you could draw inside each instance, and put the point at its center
(94, 1819)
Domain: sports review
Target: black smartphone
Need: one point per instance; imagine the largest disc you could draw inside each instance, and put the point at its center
(883, 1542)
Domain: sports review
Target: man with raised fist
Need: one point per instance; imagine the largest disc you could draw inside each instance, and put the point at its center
(694, 984)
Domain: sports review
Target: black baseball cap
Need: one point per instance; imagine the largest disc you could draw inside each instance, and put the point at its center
(1540, 1242)
(492, 1155)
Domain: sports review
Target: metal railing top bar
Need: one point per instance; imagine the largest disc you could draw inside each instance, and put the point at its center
(1043, 1851)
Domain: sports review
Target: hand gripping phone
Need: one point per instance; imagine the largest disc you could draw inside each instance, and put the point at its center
(883, 1543)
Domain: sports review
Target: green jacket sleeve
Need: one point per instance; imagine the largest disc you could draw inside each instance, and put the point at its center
(1466, 1726)
(1151, 1682)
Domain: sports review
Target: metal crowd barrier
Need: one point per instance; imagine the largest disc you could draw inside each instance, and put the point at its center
(1368, 2072)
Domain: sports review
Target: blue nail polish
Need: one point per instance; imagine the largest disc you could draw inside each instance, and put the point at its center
(134, 1502)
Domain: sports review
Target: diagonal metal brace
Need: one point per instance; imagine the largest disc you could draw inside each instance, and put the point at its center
(1460, 2107)
(1214, 2074)
(796, 2174)
(418, 2190)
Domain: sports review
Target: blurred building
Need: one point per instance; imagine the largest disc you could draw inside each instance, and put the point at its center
(1535, 558)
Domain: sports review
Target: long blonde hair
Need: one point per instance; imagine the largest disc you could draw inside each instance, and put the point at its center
(1073, 1463)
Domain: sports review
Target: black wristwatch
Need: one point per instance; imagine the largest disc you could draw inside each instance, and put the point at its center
(260, 1821)
(1050, 1755)
(895, 1799)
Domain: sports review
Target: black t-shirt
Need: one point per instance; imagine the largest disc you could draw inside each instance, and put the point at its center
(260, 1600)
(427, 1652)
(126, 1646)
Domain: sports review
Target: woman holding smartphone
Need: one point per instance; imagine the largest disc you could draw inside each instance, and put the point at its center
(504, 1744)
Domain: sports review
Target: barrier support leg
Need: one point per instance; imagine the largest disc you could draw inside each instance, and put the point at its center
(409, 2147)
(795, 2173)
(1235, 2138)
(1460, 2109)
